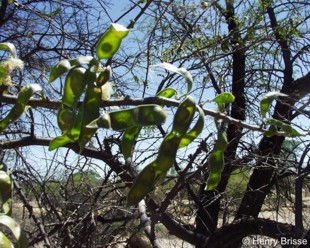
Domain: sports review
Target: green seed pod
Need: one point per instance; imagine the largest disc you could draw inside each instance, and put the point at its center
(143, 184)
(128, 140)
(59, 141)
(65, 119)
(216, 166)
(184, 116)
(59, 69)
(195, 131)
(104, 76)
(74, 86)
(167, 151)
(20, 106)
(5, 191)
(222, 142)
(90, 112)
(111, 40)
(145, 115)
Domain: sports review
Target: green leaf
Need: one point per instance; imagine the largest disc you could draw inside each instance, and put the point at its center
(9, 47)
(59, 69)
(267, 101)
(16, 230)
(181, 71)
(195, 131)
(129, 137)
(111, 40)
(59, 142)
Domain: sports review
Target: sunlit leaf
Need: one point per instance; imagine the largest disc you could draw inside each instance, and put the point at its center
(216, 165)
(143, 115)
(267, 101)
(90, 112)
(111, 40)
(84, 60)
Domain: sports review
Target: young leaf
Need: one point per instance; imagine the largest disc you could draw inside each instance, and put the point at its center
(267, 100)
(111, 40)
(181, 71)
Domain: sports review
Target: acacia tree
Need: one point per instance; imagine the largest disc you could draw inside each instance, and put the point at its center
(247, 48)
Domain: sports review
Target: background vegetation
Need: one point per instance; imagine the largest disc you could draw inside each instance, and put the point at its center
(64, 198)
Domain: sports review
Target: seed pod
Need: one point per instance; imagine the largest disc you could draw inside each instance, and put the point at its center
(59, 69)
(104, 76)
(143, 184)
(74, 86)
(216, 166)
(111, 40)
(90, 112)
(128, 140)
(59, 141)
(184, 116)
(65, 119)
(5, 191)
(195, 131)
(20, 106)
(143, 115)
(216, 160)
